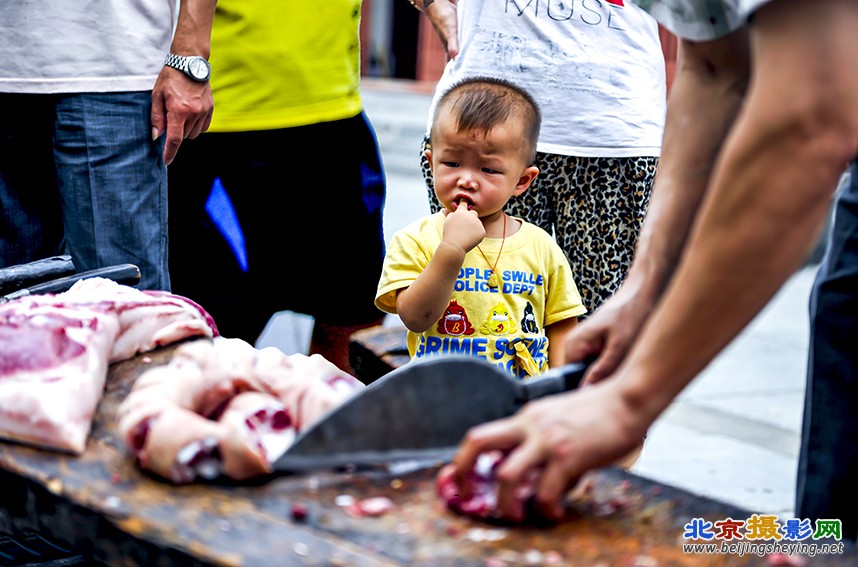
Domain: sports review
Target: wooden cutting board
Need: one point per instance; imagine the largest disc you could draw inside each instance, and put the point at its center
(104, 506)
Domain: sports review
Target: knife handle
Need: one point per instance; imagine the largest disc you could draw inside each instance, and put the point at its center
(24, 275)
(127, 274)
(555, 381)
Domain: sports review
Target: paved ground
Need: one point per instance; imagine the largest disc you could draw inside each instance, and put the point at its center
(732, 435)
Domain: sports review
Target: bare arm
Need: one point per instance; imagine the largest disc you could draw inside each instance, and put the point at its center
(180, 106)
(443, 15)
(704, 101)
(768, 198)
(556, 334)
(421, 304)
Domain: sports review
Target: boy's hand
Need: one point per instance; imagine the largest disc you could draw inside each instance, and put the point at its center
(463, 228)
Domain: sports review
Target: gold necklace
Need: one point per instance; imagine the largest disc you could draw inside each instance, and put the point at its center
(494, 281)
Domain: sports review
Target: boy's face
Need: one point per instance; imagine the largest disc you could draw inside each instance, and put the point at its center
(483, 169)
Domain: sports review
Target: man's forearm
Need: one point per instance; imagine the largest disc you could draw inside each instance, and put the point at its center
(703, 103)
(768, 197)
(194, 27)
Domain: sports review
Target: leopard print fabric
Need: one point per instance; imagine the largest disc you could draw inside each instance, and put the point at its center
(593, 206)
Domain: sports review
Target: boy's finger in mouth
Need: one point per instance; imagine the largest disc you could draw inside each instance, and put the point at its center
(463, 201)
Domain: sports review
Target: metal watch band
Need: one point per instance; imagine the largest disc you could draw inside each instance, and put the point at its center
(182, 63)
(177, 62)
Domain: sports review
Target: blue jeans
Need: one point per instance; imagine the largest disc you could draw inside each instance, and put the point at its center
(80, 174)
(828, 462)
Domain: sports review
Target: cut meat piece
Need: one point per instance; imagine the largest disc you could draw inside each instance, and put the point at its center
(181, 445)
(56, 350)
(481, 488)
(147, 319)
(372, 507)
(258, 429)
(200, 377)
(52, 370)
(480, 500)
(253, 402)
(309, 386)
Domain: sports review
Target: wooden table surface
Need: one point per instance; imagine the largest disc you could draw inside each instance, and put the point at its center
(104, 506)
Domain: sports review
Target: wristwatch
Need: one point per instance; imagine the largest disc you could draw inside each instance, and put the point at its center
(194, 66)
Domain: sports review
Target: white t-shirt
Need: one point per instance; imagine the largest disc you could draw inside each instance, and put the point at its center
(56, 46)
(596, 69)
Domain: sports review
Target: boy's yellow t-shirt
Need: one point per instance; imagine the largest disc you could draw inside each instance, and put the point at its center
(496, 324)
(284, 64)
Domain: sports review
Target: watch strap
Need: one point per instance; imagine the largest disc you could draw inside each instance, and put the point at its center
(177, 62)
(181, 62)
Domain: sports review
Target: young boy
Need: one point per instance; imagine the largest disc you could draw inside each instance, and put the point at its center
(470, 279)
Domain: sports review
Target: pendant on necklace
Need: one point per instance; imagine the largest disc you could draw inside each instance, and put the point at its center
(493, 280)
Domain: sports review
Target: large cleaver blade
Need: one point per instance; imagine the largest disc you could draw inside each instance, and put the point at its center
(419, 411)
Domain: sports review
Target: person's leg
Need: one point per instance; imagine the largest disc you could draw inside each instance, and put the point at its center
(213, 194)
(332, 341)
(30, 219)
(113, 184)
(315, 242)
(350, 306)
(828, 460)
(601, 204)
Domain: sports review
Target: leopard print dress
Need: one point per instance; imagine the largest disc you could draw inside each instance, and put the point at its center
(594, 207)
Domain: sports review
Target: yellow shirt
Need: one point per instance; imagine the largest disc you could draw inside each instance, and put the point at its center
(536, 290)
(284, 63)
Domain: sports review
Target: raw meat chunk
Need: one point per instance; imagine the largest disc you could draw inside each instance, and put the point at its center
(239, 408)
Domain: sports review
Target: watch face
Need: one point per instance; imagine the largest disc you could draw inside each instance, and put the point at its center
(198, 68)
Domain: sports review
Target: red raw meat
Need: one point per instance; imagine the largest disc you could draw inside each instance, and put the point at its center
(481, 501)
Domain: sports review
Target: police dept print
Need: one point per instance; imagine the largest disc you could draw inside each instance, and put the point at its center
(488, 326)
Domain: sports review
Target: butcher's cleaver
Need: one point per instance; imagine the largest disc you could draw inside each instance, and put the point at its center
(418, 412)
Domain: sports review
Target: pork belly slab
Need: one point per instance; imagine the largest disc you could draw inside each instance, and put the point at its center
(238, 408)
(147, 319)
(53, 363)
(55, 350)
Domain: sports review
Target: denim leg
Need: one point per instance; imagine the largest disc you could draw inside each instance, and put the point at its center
(113, 183)
(828, 462)
(30, 222)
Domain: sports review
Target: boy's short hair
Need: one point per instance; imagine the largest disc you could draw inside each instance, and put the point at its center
(483, 102)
